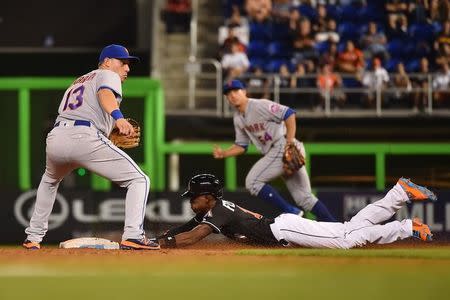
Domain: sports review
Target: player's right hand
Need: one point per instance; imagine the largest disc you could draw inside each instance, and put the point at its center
(124, 127)
(218, 152)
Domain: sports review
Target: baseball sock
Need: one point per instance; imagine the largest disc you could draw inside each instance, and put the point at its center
(322, 213)
(269, 194)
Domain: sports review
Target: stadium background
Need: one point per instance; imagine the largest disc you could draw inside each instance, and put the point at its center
(357, 148)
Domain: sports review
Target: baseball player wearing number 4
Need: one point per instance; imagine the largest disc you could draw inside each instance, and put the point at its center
(261, 122)
(87, 114)
(216, 215)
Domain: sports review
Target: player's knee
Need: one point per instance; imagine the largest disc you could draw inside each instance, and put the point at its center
(253, 186)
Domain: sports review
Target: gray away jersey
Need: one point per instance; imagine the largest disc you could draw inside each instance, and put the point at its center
(262, 124)
(80, 100)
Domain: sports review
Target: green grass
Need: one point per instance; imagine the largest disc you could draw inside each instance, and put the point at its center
(430, 253)
(251, 274)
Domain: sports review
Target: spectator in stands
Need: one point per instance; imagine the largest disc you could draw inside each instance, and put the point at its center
(397, 28)
(439, 11)
(329, 83)
(230, 40)
(236, 19)
(329, 33)
(235, 63)
(403, 84)
(441, 86)
(330, 56)
(303, 44)
(396, 8)
(420, 81)
(321, 24)
(374, 42)
(351, 60)
(258, 10)
(300, 80)
(442, 44)
(281, 10)
(284, 82)
(375, 80)
(418, 11)
(294, 22)
(258, 85)
(177, 15)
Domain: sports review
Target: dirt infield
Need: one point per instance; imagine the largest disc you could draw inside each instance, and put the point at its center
(223, 270)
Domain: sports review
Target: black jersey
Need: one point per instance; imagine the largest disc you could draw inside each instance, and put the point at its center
(236, 222)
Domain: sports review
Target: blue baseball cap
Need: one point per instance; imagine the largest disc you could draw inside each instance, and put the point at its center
(116, 51)
(232, 85)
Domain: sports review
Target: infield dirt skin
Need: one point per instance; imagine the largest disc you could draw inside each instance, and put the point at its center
(217, 271)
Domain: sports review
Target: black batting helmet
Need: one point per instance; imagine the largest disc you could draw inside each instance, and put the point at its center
(204, 184)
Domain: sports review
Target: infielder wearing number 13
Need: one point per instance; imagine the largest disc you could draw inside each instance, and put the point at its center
(216, 215)
(88, 112)
(260, 121)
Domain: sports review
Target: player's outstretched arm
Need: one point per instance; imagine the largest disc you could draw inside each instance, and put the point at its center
(291, 127)
(234, 150)
(183, 228)
(186, 238)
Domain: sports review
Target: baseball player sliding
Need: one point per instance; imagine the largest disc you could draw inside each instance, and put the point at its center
(216, 215)
(88, 112)
(261, 122)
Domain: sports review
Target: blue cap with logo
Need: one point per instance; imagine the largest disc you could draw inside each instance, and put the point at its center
(116, 51)
(232, 85)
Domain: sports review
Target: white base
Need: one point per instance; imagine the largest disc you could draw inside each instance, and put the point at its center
(90, 243)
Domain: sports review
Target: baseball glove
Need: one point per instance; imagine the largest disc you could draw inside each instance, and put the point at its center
(293, 159)
(125, 141)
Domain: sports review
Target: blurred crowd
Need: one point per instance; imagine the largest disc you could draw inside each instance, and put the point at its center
(339, 45)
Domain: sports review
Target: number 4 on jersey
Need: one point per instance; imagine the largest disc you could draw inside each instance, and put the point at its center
(265, 138)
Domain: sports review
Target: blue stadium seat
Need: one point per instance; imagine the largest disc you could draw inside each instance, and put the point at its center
(273, 65)
(322, 47)
(350, 13)
(257, 62)
(422, 32)
(348, 31)
(280, 31)
(412, 65)
(260, 31)
(308, 11)
(334, 12)
(278, 49)
(350, 82)
(257, 49)
(391, 65)
(396, 48)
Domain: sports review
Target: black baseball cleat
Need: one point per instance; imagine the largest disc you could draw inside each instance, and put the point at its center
(139, 244)
(31, 245)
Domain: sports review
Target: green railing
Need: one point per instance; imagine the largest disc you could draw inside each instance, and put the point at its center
(150, 90)
(156, 147)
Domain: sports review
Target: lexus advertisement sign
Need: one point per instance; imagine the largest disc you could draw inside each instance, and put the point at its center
(85, 213)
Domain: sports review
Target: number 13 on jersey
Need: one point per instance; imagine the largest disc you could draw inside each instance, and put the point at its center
(78, 101)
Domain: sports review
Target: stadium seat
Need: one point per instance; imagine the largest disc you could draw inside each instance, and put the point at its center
(412, 66)
(280, 31)
(350, 82)
(350, 13)
(422, 32)
(348, 31)
(334, 12)
(273, 65)
(257, 49)
(308, 11)
(391, 65)
(322, 47)
(257, 62)
(396, 48)
(278, 50)
(260, 31)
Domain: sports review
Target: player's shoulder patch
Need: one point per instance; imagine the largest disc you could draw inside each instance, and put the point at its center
(275, 108)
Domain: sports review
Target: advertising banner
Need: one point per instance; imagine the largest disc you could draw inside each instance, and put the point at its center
(86, 213)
